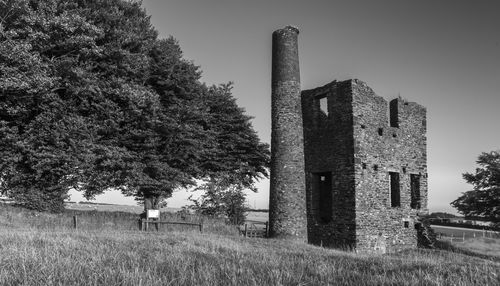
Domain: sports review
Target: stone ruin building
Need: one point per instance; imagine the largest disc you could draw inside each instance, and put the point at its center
(349, 169)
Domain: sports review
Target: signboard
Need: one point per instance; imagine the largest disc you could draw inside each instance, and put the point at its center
(153, 214)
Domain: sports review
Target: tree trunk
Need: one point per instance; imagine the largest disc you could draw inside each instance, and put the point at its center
(151, 202)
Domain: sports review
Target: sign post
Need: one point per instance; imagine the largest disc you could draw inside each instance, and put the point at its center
(152, 215)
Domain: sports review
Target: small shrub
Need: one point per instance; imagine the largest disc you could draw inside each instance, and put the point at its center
(426, 237)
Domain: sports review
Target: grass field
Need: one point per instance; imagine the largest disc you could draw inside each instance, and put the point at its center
(464, 232)
(485, 246)
(31, 255)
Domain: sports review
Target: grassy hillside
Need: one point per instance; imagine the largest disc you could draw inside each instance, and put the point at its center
(62, 256)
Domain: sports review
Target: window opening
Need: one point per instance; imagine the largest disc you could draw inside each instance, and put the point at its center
(415, 191)
(393, 113)
(395, 190)
(323, 105)
(380, 131)
(407, 224)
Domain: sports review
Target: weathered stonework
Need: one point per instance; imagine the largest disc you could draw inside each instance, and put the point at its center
(363, 182)
(287, 208)
(371, 156)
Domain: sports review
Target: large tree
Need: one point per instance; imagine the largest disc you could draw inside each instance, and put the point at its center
(41, 135)
(91, 99)
(484, 198)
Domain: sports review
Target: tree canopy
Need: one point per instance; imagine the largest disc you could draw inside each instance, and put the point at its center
(484, 198)
(92, 99)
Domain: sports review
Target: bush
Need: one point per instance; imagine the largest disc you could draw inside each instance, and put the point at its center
(426, 237)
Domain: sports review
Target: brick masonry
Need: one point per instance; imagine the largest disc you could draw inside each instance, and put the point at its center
(355, 139)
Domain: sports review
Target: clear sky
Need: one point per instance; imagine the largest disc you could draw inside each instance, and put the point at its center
(443, 54)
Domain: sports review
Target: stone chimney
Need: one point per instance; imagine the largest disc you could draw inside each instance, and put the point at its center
(287, 202)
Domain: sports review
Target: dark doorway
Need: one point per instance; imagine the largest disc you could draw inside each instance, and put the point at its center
(323, 190)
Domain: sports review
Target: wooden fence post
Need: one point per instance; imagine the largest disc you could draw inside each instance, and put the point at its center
(267, 229)
(245, 230)
(75, 222)
(201, 227)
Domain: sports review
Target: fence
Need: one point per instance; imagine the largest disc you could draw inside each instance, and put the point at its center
(144, 224)
(255, 229)
(463, 225)
(451, 238)
(15, 217)
(457, 236)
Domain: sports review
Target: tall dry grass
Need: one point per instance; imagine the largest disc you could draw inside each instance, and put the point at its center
(64, 257)
(107, 256)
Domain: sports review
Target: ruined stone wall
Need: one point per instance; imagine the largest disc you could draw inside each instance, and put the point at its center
(381, 145)
(364, 178)
(360, 139)
(287, 206)
(329, 149)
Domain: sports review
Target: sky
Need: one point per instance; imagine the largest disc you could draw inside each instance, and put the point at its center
(443, 54)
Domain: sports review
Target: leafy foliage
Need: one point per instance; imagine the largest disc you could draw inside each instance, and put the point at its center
(426, 237)
(235, 155)
(484, 199)
(221, 198)
(91, 99)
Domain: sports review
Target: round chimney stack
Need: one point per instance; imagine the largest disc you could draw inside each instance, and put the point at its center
(287, 202)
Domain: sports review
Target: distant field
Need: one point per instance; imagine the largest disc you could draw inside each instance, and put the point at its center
(112, 208)
(251, 216)
(475, 241)
(466, 233)
(258, 216)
